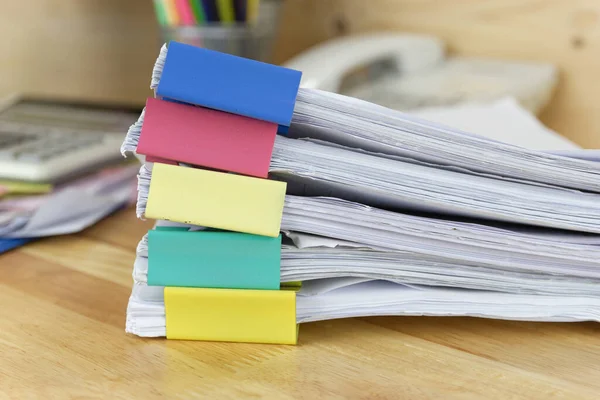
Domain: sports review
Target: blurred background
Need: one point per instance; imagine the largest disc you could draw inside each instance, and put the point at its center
(104, 50)
(521, 71)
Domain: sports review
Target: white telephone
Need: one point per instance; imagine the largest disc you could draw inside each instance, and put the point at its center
(411, 71)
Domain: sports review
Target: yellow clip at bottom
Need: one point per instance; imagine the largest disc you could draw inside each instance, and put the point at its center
(231, 315)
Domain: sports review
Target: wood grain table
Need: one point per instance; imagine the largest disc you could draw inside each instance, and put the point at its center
(62, 336)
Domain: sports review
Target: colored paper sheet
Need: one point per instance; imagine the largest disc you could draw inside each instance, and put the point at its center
(230, 315)
(215, 199)
(18, 187)
(205, 137)
(10, 244)
(213, 259)
(229, 83)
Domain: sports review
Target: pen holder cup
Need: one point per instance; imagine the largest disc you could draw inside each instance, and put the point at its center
(254, 41)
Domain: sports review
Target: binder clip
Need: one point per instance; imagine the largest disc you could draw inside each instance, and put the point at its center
(227, 83)
(213, 259)
(205, 137)
(215, 199)
(230, 315)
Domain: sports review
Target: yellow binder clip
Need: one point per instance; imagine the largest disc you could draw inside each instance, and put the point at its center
(231, 315)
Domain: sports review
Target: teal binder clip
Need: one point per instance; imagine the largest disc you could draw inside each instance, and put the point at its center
(213, 259)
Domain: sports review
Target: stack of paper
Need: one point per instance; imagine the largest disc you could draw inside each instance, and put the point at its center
(68, 207)
(308, 257)
(355, 123)
(375, 212)
(146, 312)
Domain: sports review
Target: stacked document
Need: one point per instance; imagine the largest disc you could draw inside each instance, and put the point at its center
(277, 205)
(146, 311)
(67, 207)
(307, 257)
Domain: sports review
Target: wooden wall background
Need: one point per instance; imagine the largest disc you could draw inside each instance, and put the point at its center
(104, 49)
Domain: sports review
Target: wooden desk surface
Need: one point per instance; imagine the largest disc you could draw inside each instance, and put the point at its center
(62, 335)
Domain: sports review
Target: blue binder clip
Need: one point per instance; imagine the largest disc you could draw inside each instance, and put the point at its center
(228, 83)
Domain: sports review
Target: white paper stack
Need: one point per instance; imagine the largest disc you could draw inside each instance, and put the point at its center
(308, 257)
(359, 124)
(320, 169)
(389, 214)
(377, 262)
(345, 298)
(71, 206)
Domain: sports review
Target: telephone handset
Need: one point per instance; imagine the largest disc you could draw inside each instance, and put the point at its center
(325, 65)
(410, 71)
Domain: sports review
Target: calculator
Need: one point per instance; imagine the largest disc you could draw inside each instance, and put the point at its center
(51, 141)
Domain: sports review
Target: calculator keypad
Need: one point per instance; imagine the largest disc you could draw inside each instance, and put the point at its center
(49, 141)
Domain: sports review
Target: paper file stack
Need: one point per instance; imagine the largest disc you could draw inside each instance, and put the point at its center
(277, 205)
